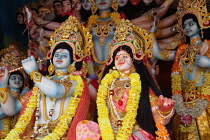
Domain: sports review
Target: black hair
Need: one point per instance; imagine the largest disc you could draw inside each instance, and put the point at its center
(56, 1)
(144, 116)
(64, 45)
(206, 32)
(18, 73)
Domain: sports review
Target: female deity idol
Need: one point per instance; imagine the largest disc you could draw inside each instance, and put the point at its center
(62, 99)
(129, 102)
(190, 73)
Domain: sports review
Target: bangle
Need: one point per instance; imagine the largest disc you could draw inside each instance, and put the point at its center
(4, 94)
(163, 114)
(36, 76)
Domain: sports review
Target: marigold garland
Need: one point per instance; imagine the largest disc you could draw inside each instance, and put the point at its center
(180, 108)
(25, 118)
(66, 118)
(69, 113)
(131, 108)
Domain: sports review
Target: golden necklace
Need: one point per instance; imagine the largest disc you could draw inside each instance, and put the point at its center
(60, 73)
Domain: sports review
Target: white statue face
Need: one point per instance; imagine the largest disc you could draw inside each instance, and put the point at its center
(123, 61)
(147, 2)
(122, 3)
(15, 81)
(66, 6)
(61, 59)
(86, 4)
(190, 28)
(103, 4)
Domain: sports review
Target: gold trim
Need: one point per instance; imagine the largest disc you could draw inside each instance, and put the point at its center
(45, 109)
(4, 94)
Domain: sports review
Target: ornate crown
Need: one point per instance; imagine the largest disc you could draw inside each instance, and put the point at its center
(196, 7)
(133, 36)
(76, 35)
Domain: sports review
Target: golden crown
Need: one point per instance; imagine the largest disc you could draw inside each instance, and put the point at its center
(196, 7)
(76, 35)
(133, 36)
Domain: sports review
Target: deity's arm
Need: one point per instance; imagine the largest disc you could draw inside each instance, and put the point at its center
(55, 90)
(166, 32)
(161, 107)
(8, 106)
(168, 21)
(161, 11)
(47, 86)
(166, 55)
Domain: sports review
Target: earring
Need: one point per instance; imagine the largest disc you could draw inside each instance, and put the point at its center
(51, 68)
(114, 5)
(71, 68)
(114, 68)
(94, 8)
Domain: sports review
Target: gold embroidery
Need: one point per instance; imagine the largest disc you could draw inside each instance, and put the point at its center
(165, 54)
(4, 94)
(36, 76)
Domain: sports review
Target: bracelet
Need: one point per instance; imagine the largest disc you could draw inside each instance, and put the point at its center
(36, 76)
(163, 114)
(4, 94)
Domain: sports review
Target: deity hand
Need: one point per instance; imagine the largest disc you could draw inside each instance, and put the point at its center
(202, 61)
(4, 79)
(29, 64)
(154, 24)
(165, 104)
(204, 47)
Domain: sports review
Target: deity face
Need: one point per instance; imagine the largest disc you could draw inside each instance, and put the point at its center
(86, 4)
(58, 7)
(77, 5)
(135, 2)
(66, 5)
(61, 59)
(20, 19)
(123, 61)
(147, 2)
(191, 28)
(15, 81)
(122, 3)
(103, 4)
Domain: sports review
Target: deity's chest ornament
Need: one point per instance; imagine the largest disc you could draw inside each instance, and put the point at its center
(189, 54)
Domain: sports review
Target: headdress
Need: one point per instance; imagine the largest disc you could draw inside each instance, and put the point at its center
(76, 35)
(133, 36)
(11, 57)
(196, 7)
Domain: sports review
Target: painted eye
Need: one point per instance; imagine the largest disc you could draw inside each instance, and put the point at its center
(56, 55)
(191, 24)
(125, 56)
(64, 56)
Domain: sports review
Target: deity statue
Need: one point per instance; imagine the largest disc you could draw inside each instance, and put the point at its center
(61, 99)
(129, 101)
(14, 85)
(102, 28)
(190, 72)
